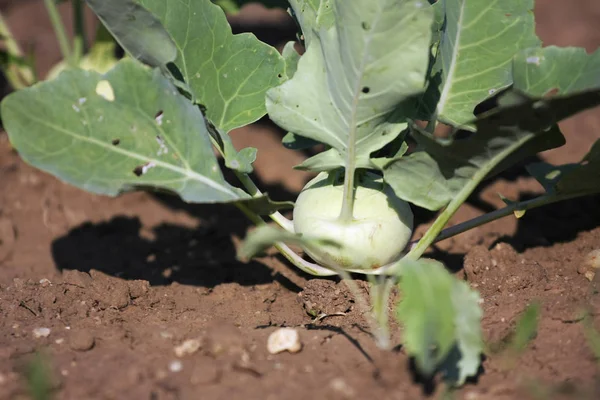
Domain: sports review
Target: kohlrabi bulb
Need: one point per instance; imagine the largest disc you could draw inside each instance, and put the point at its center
(376, 236)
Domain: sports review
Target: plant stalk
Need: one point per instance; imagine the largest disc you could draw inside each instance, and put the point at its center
(59, 31)
(80, 40)
(253, 190)
(501, 213)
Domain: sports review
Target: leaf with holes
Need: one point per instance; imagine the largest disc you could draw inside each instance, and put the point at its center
(346, 89)
(228, 74)
(117, 132)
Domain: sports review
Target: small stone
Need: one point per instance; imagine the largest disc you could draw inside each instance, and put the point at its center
(284, 339)
(41, 332)
(589, 275)
(44, 282)
(590, 264)
(81, 340)
(59, 341)
(340, 386)
(188, 347)
(175, 366)
(592, 259)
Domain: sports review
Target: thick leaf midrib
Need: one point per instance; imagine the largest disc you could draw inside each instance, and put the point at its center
(187, 173)
(352, 139)
(449, 78)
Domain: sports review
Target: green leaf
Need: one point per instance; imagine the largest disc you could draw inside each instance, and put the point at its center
(346, 90)
(438, 170)
(233, 6)
(468, 332)
(228, 74)
(526, 329)
(570, 180)
(556, 71)
(521, 126)
(295, 142)
(439, 314)
(138, 31)
(117, 132)
(475, 53)
(291, 57)
(263, 205)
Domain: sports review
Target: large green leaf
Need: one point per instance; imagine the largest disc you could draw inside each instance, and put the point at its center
(347, 87)
(117, 132)
(439, 314)
(550, 84)
(228, 74)
(477, 45)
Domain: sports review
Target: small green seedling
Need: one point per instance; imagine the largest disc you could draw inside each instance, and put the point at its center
(376, 76)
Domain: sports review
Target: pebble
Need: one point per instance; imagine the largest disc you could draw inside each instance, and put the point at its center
(189, 346)
(284, 339)
(44, 282)
(175, 366)
(41, 332)
(590, 264)
(81, 340)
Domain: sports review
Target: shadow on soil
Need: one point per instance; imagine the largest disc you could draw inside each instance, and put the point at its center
(203, 256)
(555, 223)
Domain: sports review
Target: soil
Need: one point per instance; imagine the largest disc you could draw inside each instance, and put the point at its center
(141, 297)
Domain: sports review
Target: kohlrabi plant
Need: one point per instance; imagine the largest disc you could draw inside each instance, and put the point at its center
(375, 82)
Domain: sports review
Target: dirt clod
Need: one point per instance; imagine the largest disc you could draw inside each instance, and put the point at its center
(76, 278)
(81, 340)
(321, 296)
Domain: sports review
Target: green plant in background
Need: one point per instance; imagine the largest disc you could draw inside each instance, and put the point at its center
(18, 67)
(375, 76)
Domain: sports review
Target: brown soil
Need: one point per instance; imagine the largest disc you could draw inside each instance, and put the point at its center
(120, 284)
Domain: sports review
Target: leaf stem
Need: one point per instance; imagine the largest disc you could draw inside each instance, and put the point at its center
(59, 31)
(253, 190)
(288, 253)
(501, 213)
(80, 40)
(19, 75)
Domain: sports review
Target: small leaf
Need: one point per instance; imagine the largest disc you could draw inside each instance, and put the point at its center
(426, 313)
(295, 142)
(526, 328)
(468, 331)
(441, 318)
(148, 136)
(570, 179)
(477, 45)
(263, 205)
(137, 30)
(346, 90)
